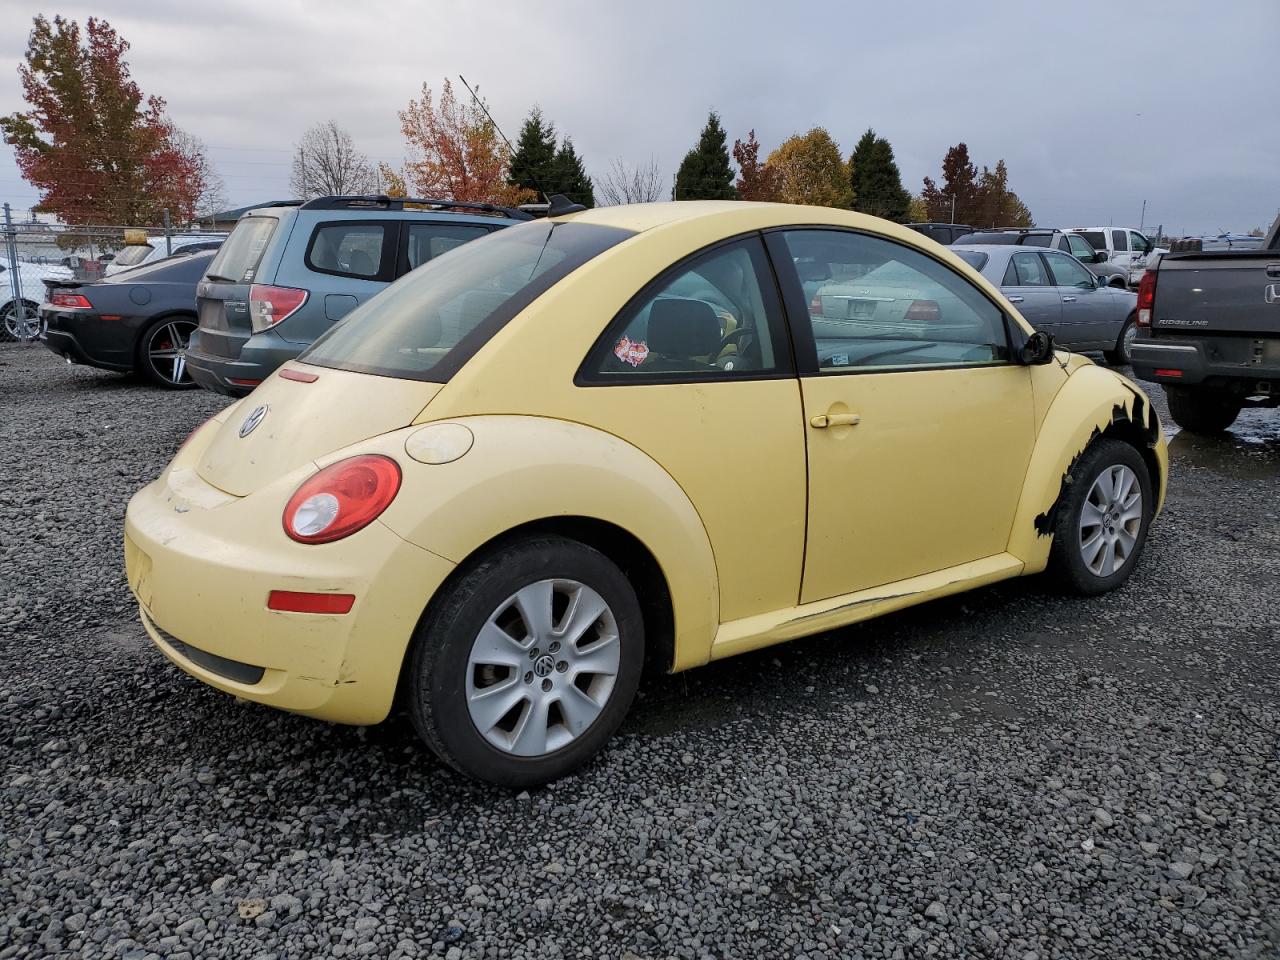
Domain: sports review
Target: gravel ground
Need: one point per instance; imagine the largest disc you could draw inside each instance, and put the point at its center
(1005, 774)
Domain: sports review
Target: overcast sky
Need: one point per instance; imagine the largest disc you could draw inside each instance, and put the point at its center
(1095, 106)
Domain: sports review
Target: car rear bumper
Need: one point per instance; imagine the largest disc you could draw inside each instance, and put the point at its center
(259, 357)
(59, 334)
(1240, 363)
(202, 563)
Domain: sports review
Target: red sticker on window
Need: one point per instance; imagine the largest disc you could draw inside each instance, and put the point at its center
(630, 352)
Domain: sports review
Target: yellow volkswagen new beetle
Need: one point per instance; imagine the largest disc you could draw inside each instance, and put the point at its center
(639, 433)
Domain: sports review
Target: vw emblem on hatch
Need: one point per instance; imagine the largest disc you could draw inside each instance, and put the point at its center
(252, 420)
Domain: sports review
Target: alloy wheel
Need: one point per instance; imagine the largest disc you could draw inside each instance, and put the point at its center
(28, 328)
(1126, 344)
(543, 667)
(1110, 520)
(167, 351)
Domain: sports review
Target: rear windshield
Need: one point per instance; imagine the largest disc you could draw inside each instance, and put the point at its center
(426, 324)
(133, 254)
(1097, 239)
(238, 258)
(973, 258)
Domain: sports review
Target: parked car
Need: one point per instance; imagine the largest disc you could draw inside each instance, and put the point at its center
(1055, 293)
(139, 320)
(1095, 262)
(149, 249)
(1209, 332)
(504, 483)
(20, 318)
(289, 272)
(1125, 247)
(945, 233)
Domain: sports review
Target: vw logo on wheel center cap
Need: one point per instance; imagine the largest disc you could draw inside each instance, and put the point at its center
(544, 666)
(253, 419)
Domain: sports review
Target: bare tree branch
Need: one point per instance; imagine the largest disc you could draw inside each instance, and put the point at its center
(626, 184)
(326, 163)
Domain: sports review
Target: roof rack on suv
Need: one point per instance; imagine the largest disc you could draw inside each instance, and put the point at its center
(383, 202)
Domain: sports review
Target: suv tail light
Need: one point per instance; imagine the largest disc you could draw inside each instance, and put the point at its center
(1146, 298)
(924, 310)
(815, 306)
(270, 305)
(342, 498)
(74, 301)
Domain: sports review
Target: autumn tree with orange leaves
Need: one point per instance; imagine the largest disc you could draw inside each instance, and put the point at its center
(97, 149)
(455, 153)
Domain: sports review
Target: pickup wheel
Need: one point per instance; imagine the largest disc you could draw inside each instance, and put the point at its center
(1122, 354)
(1202, 409)
(1101, 523)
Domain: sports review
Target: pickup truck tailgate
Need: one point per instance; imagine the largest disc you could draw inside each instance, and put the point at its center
(1223, 292)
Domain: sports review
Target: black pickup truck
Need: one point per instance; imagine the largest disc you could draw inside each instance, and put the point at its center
(1209, 332)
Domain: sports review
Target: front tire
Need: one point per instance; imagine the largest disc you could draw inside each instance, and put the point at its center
(1123, 352)
(527, 663)
(1202, 409)
(1101, 524)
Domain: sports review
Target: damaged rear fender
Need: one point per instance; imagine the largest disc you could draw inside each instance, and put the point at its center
(1094, 402)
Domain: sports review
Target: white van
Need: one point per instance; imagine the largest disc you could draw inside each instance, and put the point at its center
(1125, 247)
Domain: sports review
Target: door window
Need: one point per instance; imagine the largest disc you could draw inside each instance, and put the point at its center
(1119, 241)
(1080, 247)
(709, 318)
(1141, 245)
(427, 240)
(885, 305)
(1027, 270)
(1068, 272)
(348, 249)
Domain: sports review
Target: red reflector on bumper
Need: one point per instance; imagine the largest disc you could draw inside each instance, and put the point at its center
(292, 602)
(244, 383)
(1168, 373)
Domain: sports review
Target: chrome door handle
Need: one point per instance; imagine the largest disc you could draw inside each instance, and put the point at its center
(834, 420)
(1068, 299)
(1015, 299)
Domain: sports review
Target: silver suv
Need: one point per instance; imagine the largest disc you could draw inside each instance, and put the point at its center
(289, 271)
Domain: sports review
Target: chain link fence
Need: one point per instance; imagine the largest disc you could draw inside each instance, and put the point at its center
(36, 257)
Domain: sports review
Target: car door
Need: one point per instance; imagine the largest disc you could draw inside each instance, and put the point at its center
(919, 426)
(696, 371)
(1029, 287)
(1087, 310)
(350, 261)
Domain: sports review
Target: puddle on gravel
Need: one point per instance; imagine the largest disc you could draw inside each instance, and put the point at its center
(1249, 451)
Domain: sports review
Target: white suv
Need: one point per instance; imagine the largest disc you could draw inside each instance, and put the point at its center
(1125, 247)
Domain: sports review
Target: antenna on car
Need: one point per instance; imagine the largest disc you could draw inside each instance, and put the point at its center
(557, 203)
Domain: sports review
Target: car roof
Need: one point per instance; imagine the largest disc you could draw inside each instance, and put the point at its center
(371, 213)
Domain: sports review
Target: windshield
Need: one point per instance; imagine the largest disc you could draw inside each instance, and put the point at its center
(132, 255)
(972, 257)
(238, 258)
(425, 325)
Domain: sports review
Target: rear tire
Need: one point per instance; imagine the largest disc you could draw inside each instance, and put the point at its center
(1123, 354)
(162, 351)
(1202, 409)
(10, 329)
(1101, 526)
(506, 696)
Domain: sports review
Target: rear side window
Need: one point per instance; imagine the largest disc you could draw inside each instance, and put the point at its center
(356, 250)
(1036, 239)
(1028, 270)
(1119, 240)
(429, 240)
(237, 260)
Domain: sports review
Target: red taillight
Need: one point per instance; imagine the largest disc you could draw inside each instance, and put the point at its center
(815, 306)
(1161, 372)
(924, 310)
(73, 301)
(293, 602)
(270, 305)
(342, 498)
(1146, 298)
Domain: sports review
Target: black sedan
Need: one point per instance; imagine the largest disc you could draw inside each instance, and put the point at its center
(137, 320)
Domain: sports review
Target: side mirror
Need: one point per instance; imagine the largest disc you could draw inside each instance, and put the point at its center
(1037, 350)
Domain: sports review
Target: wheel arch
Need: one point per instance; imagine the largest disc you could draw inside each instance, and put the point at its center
(1093, 404)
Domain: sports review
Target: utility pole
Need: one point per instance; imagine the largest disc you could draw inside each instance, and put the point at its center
(1142, 219)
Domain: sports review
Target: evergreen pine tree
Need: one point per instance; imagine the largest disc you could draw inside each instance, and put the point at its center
(705, 173)
(877, 184)
(533, 163)
(570, 177)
